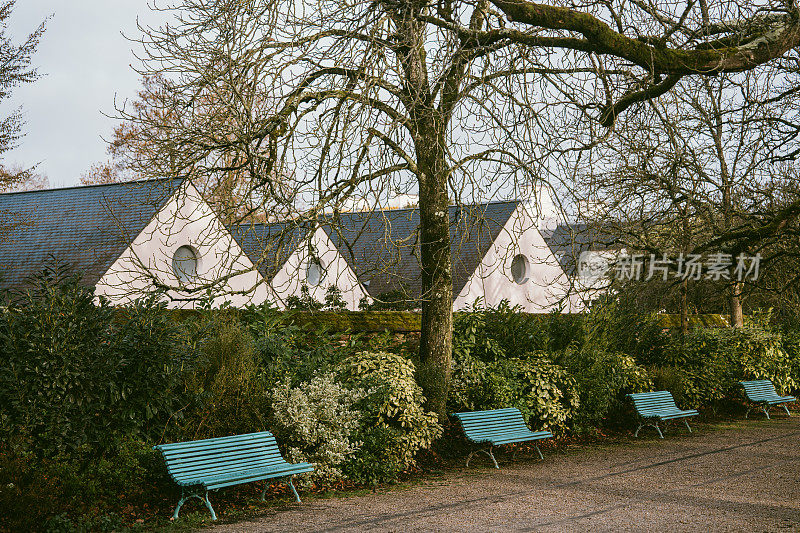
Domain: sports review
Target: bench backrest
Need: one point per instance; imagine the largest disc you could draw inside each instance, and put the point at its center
(649, 404)
(481, 425)
(760, 389)
(187, 461)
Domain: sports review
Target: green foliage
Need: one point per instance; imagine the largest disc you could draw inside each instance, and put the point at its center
(76, 374)
(671, 379)
(544, 391)
(317, 422)
(603, 379)
(394, 300)
(333, 299)
(394, 404)
(295, 350)
(306, 302)
(616, 325)
(77, 493)
(713, 361)
(494, 333)
(225, 378)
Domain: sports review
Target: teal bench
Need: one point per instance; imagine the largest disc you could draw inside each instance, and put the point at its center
(496, 427)
(658, 406)
(202, 465)
(762, 393)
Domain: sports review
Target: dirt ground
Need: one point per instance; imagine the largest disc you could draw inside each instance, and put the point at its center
(743, 476)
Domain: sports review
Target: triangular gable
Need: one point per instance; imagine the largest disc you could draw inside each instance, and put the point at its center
(542, 288)
(293, 274)
(185, 220)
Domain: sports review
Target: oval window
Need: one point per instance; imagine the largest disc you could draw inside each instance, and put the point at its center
(184, 263)
(315, 272)
(519, 269)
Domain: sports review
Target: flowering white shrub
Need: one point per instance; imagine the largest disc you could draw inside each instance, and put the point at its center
(316, 422)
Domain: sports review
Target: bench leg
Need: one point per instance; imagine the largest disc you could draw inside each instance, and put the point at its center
(687, 425)
(183, 499)
(766, 411)
(748, 411)
(487, 452)
(785, 408)
(636, 434)
(539, 452)
(291, 486)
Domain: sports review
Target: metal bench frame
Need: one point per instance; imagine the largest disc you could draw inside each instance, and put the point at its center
(658, 406)
(497, 427)
(250, 451)
(762, 393)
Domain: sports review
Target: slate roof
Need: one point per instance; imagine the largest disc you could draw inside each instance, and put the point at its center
(85, 228)
(269, 246)
(382, 246)
(568, 241)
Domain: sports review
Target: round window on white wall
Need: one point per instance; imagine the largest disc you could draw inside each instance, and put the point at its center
(519, 269)
(184, 264)
(315, 272)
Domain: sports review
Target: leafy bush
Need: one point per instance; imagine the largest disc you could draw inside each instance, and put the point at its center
(544, 391)
(225, 380)
(79, 493)
(713, 361)
(317, 422)
(393, 407)
(476, 385)
(603, 379)
(617, 325)
(76, 374)
(286, 349)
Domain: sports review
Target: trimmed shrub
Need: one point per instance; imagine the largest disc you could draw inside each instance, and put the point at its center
(543, 391)
(316, 422)
(396, 426)
(225, 379)
(76, 374)
(713, 361)
(603, 379)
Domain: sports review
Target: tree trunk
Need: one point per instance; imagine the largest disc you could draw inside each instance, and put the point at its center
(735, 303)
(684, 307)
(436, 341)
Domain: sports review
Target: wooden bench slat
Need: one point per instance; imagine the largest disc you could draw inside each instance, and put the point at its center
(496, 427)
(226, 456)
(221, 468)
(658, 406)
(762, 392)
(224, 461)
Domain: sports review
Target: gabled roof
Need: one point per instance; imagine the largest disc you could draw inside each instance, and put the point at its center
(569, 241)
(382, 246)
(85, 228)
(269, 246)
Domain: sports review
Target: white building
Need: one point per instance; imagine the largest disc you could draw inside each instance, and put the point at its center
(497, 253)
(126, 240)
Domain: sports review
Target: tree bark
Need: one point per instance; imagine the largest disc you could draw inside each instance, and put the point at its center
(437, 282)
(684, 307)
(735, 304)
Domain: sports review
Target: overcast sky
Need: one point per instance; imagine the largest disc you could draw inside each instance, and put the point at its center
(86, 63)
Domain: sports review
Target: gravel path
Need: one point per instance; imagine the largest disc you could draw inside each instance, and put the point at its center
(742, 478)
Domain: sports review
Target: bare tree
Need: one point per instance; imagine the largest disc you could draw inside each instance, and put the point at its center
(692, 168)
(447, 99)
